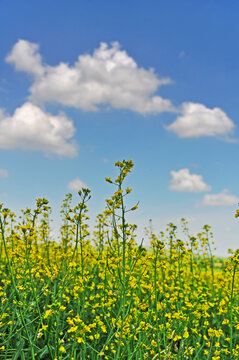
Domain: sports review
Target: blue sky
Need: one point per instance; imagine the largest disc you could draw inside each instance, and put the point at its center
(86, 83)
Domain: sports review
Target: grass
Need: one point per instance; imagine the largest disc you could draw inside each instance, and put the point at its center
(105, 296)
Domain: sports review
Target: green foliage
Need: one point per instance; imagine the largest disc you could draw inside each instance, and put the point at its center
(105, 296)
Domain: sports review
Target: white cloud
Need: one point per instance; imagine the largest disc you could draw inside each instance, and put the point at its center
(222, 199)
(25, 57)
(108, 77)
(76, 185)
(3, 173)
(183, 181)
(182, 54)
(197, 120)
(31, 128)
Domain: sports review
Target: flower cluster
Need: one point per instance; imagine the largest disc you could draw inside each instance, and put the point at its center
(106, 295)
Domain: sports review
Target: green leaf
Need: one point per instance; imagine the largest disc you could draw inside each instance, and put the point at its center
(20, 345)
(43, 352)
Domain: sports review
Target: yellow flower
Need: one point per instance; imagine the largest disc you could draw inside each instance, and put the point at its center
(153, 343)
(44, 327)
(72, 329)
(185, 334)
(128, 190)
(119, 164)
(80, 340)
(62, 349)
(47, 313)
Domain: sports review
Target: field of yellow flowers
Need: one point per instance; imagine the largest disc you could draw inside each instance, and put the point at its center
(104, 296)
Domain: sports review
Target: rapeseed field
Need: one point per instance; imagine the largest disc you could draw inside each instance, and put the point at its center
(105, 296)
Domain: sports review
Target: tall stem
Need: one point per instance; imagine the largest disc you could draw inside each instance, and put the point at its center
(16, 292)
(231, 300)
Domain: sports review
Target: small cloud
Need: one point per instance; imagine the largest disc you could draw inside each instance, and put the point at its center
(183, 181)
(195, 165)
(3, 173)
(197, 120)
(76, 185)
(2, 86)
(4, 194)
(105, 160)
(222, 199)
(182, 54)
(108, 77)
(231, 140)
(31, 128)
(25, 57)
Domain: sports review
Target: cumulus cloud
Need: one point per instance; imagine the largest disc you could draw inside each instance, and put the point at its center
(25, 57)
(3, 173)
(197, 120)
(76, 185)
(31, 128)
(222, 199)
(183, 181)
(108, 77)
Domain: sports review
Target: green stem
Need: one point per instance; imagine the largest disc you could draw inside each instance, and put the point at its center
(232, 290)
(16, 293)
